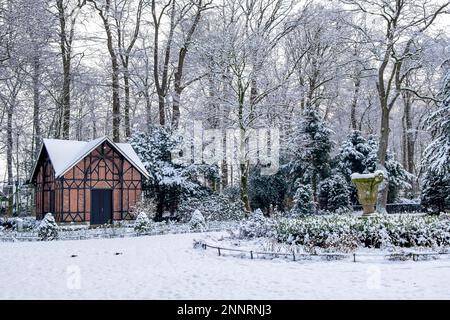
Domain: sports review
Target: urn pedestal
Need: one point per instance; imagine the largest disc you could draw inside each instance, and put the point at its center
(367, 186)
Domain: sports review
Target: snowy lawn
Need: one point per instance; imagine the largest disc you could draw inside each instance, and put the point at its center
(167, 267)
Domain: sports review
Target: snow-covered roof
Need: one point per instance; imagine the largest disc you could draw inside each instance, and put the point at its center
(64, 154)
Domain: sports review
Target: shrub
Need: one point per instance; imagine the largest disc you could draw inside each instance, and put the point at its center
(48, 229)
(334, 195)
(314, 230)
(345, 232)
(215, 207)
(142, 224)
(197, 222)
(256, 226)
(303, 200)
(148, 206)
(372, 232)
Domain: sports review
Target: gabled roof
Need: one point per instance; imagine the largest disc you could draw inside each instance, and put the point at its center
(64, 154)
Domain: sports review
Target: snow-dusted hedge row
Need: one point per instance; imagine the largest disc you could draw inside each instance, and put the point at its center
(401, 231)
(256, 226)
(120, 229)
(215, 207)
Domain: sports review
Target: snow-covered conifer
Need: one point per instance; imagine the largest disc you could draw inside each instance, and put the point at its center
(142, 224)
(303, 200)
(197, 222)
(334, 194)
(436, 160)
(257, 225)
(48, 229)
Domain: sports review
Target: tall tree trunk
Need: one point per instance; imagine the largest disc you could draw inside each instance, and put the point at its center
(176, 97)
(66, 99)
(115, 97)
(124, 54)
(162, 109)
(381, 154)
(403, 141)
(409, 135)
(148, 106)
(17, 194)
(36, 106)
(126, 80)
(243, 162)
(162, 85)
(104, 13)
(65, 43)
(9, 156)
(179, 71)
(353, 121)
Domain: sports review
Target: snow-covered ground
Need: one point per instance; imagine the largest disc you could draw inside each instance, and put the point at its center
(167, 267)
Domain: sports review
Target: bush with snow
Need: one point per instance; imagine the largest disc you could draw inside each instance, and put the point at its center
(197, 222)
(48, 229)
(375, 232)
(303, 200)
(314, 230)
(148, 206)
(257, 225)
(334, 194)
(215, 207)
(436, 158)
(143, 224)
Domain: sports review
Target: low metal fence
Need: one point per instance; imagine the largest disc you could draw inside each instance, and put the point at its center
(415, 256)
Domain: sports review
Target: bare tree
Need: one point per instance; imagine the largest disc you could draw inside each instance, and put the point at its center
(178, 84)
(68, 11)
(121, 16)
(105, 11)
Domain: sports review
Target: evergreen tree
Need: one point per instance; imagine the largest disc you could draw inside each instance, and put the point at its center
(48, 229)
(354, 155)
(170, 182)
(358, 154)
(142, 224)
(197, 222)
(334, 194)
(310, 149)
(398, 178)
(267, 190)
(303, 200)
(436, 160)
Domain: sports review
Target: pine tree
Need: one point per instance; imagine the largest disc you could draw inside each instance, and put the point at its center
(267, 190)
(197, 222)
(358, 154)
(436, 160)
(303, 200)
(170, 182)
(48, 229)
(334, 194)
(142, 224)
(355, 155)
(310, 150)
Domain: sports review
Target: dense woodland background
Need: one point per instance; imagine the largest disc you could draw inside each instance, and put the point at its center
(371, 69)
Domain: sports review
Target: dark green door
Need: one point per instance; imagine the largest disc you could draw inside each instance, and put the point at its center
(101, 206)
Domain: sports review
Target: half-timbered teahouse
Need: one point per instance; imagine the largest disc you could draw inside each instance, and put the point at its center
(97, 181)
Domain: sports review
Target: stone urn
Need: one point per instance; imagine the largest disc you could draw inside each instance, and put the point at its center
(367, 186)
